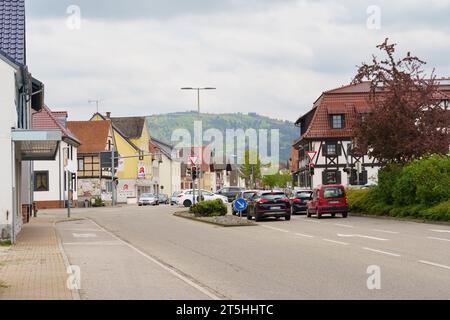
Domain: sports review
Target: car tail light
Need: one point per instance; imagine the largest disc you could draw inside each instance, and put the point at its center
(298, 200)
(263, 201)
(284, 200)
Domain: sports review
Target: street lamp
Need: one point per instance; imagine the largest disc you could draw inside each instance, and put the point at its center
(201, 152)
(198, 94)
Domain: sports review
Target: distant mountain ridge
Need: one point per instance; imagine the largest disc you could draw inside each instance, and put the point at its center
(162, 125)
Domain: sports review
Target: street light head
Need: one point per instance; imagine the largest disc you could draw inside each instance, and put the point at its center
(187, 88)
(209, 88)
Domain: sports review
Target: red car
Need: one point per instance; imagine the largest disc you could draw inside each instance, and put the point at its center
(328, 199)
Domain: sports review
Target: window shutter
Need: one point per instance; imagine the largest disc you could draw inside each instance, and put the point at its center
(338, 176)
(339, 149)
(324, 177)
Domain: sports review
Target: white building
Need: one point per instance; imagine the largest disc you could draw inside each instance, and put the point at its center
(167, 168)
(55, 182)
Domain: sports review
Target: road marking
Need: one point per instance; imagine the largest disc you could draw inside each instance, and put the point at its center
(334, 241)
(343, 225)
(96, 243)
(313, 221)
(170, 269)
(360, 236)
(277, 229)
(85, 230)
(440, 230)
(84, 235)
(304, 235)
(441, 239)
(385, 231)
(384, 252)
(434, 264)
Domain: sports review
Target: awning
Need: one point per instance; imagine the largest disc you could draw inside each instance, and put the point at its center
(36, 144)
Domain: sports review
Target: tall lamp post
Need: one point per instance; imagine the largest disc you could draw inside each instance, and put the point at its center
(201, 152)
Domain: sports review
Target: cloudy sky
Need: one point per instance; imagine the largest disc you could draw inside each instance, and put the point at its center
(273, 57)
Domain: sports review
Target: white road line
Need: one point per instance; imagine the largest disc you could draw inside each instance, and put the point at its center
(441, 239)
(313, 221)
(277, 229)
(84, 235)
(434, 264)
(360, 236)
(334, 241)
(168, 269)
(384, 252)
(304, 235)
(343, 225)
(94, 243)
(440, 230)
(385, 231)
(85, 230)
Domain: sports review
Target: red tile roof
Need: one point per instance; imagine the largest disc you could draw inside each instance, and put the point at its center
(93, 135)
(349, 101)
(46, 119)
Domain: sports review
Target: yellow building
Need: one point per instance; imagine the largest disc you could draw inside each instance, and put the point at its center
(136, 175)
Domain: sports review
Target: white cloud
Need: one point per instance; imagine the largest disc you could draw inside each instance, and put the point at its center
(275, 60)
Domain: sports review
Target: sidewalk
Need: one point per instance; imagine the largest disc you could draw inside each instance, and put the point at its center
(34, 269)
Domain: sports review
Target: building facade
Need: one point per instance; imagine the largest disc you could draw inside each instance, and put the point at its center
(168, 167)
(55, 182)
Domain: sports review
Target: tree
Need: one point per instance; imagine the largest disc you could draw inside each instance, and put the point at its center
(408, 119)
(250, 169)
(276, 180)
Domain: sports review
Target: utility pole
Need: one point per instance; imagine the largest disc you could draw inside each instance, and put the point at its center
(113, 169)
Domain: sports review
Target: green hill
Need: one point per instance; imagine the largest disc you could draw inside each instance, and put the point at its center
(161, 126)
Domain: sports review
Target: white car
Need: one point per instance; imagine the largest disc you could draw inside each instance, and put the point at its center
(148, 199)
(185, 198)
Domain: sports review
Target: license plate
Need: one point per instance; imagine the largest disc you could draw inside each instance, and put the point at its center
(275, 208)
(334, 202)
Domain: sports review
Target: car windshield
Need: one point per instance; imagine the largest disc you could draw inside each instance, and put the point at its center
(335, 192)
(273, 196)
(248, 195)
(303, 194)
(147, 195)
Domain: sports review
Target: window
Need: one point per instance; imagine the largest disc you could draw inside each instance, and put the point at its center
(337, 121)
(41, 181)
(71, 152)
(331, 149)
(81, 164)
(330, 193)
(331, 177)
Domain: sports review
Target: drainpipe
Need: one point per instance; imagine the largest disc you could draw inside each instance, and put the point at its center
(14, 204)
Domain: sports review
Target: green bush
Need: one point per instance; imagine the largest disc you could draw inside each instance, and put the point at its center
(387, 178)
(439, 212)
(209, 208)
(98, 202)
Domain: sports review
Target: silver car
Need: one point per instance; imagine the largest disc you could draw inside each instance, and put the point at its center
(148, 199)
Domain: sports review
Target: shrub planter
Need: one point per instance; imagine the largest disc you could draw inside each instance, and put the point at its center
(223, 221)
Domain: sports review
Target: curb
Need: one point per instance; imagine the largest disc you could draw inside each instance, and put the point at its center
(364, 215)
(177, 214)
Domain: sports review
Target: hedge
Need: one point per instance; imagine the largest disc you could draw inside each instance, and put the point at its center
(209, 208)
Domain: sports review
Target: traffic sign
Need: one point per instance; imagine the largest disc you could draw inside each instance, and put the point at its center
(193, 160)
(311, 155)
(240, 204)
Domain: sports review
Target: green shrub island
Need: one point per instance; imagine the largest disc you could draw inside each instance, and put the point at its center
(420, 189)
(209, 208)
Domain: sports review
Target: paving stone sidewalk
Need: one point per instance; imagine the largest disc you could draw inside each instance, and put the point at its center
(34, 268)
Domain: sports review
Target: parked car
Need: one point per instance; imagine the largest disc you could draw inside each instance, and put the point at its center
(230, 192)
(328, 199)
(186, 197)
(148, 199)
(163, 198)
(247, 195)
(269, 204)
(173, 198)
(299, 201)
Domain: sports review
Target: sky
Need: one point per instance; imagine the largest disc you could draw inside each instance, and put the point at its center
(273, 57)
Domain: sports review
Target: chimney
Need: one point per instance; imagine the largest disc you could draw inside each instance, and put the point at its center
(108, 115)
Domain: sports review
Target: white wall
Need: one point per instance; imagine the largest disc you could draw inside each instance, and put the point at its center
(169, 175)
(56, 175)
(7, 120)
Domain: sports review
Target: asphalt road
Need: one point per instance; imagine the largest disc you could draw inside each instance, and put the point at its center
(147, 253)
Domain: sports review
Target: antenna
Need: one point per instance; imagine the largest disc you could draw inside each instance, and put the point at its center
(97, 102)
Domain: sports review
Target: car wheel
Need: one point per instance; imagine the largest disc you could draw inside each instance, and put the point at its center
(257, 216)
(249, 217)
(187, 203)
(345, 215)
(308, 213)
(333, 215)
(287, 217)
(319, 215)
